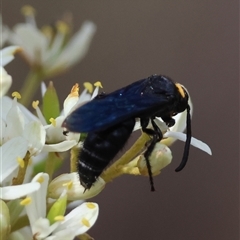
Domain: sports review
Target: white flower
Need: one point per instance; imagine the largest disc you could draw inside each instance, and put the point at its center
(48, 49)
(6, 56)
(12, 150)
(78, 221)
(75, 191)
(17, 124)
(18, 191)
(160, 157)
(56, 140)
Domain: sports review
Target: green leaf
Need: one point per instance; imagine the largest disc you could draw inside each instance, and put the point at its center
(51, 108)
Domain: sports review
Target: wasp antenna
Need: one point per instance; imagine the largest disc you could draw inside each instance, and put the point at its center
(187, 143)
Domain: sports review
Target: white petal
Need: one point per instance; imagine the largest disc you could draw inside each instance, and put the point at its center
(43, 88)
(77, 46)
(15, 121)
(16, 147)
(18, 191)
(69, 103)
(5, 81)
(160, 157)
(37, 208)
(195, 142)
(3, 127)
(35, 134)
(84, 97)
(6, 104)
(59, 147)
(7, 54)
(74, 218)
(42, 227)
(33, 42)
(55, 132)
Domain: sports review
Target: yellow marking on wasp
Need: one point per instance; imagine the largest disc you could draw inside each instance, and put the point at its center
(180, 89)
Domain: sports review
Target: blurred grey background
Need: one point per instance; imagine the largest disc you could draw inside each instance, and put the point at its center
(196, 44)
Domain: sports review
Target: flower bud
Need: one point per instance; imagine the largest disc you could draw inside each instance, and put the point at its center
(75, 191)
(160, 157)
(5, 226)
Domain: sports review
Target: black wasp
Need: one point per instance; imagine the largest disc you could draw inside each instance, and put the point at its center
(109, 120)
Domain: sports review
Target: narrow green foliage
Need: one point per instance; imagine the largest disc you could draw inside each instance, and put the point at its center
(51, 108)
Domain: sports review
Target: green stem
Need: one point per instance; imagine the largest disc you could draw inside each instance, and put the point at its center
(21, 222)
(113, 170)
(21, 171)
(74, 153)
(51, 164)
(30, 87)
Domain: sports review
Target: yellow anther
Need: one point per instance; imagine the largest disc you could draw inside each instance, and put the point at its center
(59, 218)
(90, 205)
(16, 95)
(28, 10)
(180, 89)
(88, 86)
(85, 222)
(35, 104)
(75, 91)
(53, 121)
(47, 31)
(20, 162)
(40, 179)
(26, 201)
(69, 185)
(62, 27)
(98, 84)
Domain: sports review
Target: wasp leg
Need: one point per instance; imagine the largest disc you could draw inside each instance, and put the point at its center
(156, 135)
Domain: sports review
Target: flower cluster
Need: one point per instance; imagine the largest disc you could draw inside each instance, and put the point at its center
(34, 204)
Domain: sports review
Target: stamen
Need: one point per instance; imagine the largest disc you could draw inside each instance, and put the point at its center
(59, 218)
(47, 31)
(62, 27)
(75, 91)
(39, 113)
(26, 201)
(69, 185)
(40, 179)
(20, 162)
(35, 104)
(28, 10)
(88, 86)
(90, 205)
(16, 95)
(53, 122)
(85, 222)
(98, 84)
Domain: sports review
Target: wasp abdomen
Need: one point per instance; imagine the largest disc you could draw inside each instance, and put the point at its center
(99, 148)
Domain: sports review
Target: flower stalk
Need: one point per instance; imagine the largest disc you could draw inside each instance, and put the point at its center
(51, 163)
(74, 152)
(116, 169)
(30, 86)
(22, 170)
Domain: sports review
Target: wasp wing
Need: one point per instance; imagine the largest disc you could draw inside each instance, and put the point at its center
(144, 97)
